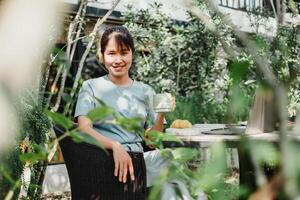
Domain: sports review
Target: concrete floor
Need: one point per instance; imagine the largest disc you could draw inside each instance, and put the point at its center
(56, 179)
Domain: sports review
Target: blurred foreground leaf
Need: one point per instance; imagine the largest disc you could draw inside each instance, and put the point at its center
(60, 119)
(100, 113)
(184, 154)
(130, 124)
(265, 153)
(157, 138)
(39, 153)
(238, 70)
(79, 137)
(211, 177)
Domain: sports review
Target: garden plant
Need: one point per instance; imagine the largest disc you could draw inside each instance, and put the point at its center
(211, 67)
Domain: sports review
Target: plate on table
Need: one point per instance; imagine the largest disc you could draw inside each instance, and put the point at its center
(229, 130)
(208, 127)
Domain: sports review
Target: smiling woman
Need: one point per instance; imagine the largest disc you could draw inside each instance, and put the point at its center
(123, 170)
(117, 52)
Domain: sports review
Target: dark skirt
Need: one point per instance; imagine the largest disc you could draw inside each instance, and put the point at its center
(95, 180)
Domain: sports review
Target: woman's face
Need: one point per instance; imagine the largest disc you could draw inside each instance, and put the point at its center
(117, 59)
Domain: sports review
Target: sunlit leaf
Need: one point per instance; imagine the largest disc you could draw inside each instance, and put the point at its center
(184, 154)
(157, 138)
(292, 6)
(265, 153)
(60, 119)
(100, 113)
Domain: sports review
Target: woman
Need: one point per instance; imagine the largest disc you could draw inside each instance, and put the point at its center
(124, 172)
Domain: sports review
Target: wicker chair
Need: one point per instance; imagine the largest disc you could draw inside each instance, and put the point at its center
(81, 161)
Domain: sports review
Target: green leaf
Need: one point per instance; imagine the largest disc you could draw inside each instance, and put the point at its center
(79, 137)
(211, 175)
(32, 157)
(100, 113)
(157, 138)
(238, 70)
(292, 6)
(184, 154)
(39, 153)
(265, 153)
(130, 124)
(238, 101)
(60, 119)
(168, 137)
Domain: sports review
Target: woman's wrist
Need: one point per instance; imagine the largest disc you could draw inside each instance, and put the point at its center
(161, 115)
(115, 144)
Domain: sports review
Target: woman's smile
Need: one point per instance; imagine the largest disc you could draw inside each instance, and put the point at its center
(117, 59)
(118, 67)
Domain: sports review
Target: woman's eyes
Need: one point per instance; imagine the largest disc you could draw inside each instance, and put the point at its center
(114, 53)
(124, 52)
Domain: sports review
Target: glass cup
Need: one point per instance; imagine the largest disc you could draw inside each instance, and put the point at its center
(162, 103)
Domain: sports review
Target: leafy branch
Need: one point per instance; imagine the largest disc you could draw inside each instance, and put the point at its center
(92, 37)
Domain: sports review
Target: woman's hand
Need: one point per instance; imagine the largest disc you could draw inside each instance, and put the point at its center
(123, 162)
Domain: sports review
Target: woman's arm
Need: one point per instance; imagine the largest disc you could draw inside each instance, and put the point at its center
(159, 123)
(85, 125)
(123, 162)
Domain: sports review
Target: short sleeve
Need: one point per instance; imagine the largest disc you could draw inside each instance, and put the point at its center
(85, 101)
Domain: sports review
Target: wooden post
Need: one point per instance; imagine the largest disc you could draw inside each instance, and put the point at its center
(263, 114)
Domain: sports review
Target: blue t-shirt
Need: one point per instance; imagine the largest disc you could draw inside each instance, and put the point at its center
(132, 101)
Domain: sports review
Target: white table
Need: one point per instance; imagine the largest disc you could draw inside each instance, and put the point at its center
(196, 138)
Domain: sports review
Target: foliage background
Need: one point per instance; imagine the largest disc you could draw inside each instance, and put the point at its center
(187, 60)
